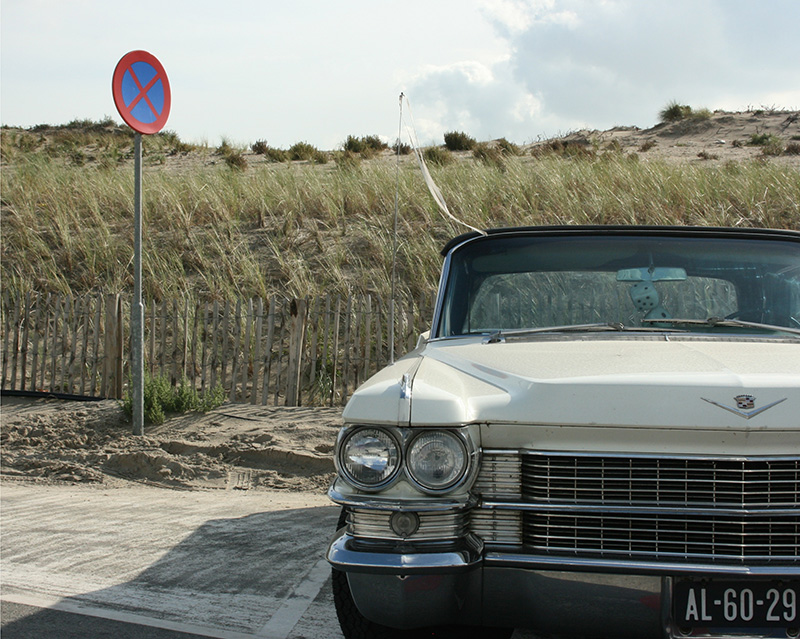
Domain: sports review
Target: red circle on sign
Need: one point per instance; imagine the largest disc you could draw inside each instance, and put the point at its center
(141, 92)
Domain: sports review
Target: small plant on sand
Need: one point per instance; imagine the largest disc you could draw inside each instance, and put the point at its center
(162, 398)
(489, 155)
(674, 111)
(770, 144)
(438, 156)
(259, 147)
(303, 151)
(369, 144)
(401, 148)
(458, 141)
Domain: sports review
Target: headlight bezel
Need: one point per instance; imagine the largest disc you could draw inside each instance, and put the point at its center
(404, 438)
(346, 437)
(414, 474)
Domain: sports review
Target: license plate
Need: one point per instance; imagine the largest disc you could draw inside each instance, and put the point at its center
(725, 604)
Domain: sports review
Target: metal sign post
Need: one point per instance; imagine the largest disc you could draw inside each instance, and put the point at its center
(142, 96)
(137, 309)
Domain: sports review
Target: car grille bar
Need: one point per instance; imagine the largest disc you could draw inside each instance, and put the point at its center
(433, 526)
(660, 481)
(671, 508)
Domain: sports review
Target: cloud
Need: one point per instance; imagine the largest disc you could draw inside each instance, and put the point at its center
(483, 100)
(576, 63)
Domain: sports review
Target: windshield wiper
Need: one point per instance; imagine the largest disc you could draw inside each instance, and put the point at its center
(719, 321)
(500, 336)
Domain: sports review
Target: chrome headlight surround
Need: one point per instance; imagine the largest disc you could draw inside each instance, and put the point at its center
(436, 460)
(369, 457)
(414, 446)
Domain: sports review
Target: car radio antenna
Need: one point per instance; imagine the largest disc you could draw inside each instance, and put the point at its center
(394, 234)
(426, 174)
(437, 197)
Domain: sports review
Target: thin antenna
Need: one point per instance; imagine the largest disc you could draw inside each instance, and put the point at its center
(394, 236)
(426, 174)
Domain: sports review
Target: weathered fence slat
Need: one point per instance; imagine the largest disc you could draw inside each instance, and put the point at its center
(87, 307)
(269, 351)
(246, 349)
(259, 311)
(237, 333)
(298, 311)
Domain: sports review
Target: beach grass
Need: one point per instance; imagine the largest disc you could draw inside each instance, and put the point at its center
(220, 231)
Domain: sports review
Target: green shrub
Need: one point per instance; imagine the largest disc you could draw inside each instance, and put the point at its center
(489, 155)
(369, 144)
(508, 148)
(568, 149)
(458, 141)
(161, 398)
(302, 151)
(259, 147)
(347, 160)
(674, 112)
(276, 155)
(438, 156)
(236, 160)
(375, 143)
(401, 147)
(793, 148)
(770, 144)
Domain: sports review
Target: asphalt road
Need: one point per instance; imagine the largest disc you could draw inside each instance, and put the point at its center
(136, 562)
(214, 564)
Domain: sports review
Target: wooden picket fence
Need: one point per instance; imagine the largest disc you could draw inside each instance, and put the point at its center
(273, 351)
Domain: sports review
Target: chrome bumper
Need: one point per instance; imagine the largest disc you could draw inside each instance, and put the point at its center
(408, 588)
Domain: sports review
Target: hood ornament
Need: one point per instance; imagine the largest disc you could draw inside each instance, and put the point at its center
(745, 406)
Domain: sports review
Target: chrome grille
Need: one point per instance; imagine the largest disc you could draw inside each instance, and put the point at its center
(665, 536)
(661, 481)
(500, 475)
(374, 524)
(639, 507)
(497, 526)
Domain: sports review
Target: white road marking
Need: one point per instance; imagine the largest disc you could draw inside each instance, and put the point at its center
(281, 623)
(73, 606)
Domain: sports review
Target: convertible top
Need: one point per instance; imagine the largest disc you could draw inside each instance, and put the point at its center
(619, 230)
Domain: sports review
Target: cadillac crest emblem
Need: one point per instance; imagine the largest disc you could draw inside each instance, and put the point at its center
(745, 405)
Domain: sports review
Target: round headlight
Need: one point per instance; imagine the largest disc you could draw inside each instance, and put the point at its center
(369, 457)
(437, 460)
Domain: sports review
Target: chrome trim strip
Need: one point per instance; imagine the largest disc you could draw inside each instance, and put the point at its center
(621, 455)
(343, 556)
(743, 413)
(437, 308)
(630, 510)
(419, 505)
(561, 563)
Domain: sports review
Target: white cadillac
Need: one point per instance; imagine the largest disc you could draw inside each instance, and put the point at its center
(600, 436)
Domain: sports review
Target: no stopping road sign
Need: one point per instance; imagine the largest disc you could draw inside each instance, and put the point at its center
(141, 92)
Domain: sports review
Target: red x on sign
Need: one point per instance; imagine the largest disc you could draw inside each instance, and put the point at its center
(141, 92)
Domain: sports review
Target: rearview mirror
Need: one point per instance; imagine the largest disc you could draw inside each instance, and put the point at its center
(652, 274)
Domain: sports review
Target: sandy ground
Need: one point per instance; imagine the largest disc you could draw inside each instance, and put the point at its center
(234, 447)
(724, 137)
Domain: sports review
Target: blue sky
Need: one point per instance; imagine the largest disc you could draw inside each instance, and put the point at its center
(318, 71)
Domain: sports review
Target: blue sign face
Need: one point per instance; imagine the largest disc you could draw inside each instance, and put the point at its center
(141, 84)
(141, 92)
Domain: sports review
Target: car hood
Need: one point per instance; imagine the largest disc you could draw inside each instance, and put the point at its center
(646, 382)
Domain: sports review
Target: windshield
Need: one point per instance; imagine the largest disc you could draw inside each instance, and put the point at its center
(522, 282)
